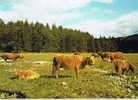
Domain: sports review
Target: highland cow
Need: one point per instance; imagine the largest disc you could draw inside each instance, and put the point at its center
(11, 56)
(122, 65)
(75, 62)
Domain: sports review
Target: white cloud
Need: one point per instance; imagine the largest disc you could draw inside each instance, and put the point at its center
(45, 11)
(123, 26)
(52, 12)
(52, 5)
(104, 1)
(8, 16)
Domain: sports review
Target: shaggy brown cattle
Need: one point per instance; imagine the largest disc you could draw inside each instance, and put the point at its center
(115, 55)
(74, 62)
(103, 55)
(11, 56)
(26, 74)
(121, 66)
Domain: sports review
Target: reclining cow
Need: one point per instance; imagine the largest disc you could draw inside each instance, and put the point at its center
(11, 56)
(74, 62)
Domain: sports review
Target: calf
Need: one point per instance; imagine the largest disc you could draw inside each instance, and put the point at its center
(121, 66)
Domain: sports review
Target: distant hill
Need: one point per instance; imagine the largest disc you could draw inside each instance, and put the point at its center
(129, 43)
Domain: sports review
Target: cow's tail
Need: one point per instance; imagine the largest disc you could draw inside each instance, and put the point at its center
(131, 67)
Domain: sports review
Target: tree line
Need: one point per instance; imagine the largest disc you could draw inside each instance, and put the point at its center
(22, 36)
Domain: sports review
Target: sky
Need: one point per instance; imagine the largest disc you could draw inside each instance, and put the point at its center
(98, 17)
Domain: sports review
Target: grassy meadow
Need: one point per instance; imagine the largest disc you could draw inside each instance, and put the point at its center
(96, 81)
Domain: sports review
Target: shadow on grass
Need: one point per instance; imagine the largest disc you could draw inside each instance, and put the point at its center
(13, 78)
(110, 74)
(60, 76)
(47, 76)
(58, 97)
(17, 94)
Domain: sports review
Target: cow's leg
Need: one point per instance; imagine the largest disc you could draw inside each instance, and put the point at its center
(6, 60)
(131, 67)
(123, 71)
(127, 70)
(14, 59)
(53, 70)
(120, 71)
(77, 72)
(57, 70)
(116, 69)
(102, 58)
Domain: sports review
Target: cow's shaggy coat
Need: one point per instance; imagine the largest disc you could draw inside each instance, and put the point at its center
(75, 62)
(109, 55)
(122, 65)
(11, 56)
(26, 74)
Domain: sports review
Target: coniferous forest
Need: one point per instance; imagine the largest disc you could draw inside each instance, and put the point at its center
(22, 36)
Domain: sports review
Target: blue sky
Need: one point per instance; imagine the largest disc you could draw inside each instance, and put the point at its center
(98, 17)
(106, 11)
(4, 6)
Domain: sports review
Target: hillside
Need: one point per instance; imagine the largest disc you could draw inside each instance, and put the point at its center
(130, 43)
(22, 36)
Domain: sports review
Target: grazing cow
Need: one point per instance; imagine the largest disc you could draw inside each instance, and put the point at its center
(115, 55)
(75, 62)
(103, 55)
(10, 56)
(121, 66)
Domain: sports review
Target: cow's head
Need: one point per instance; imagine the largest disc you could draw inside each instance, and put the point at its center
(111, 58)
(95, 55)
(21, 56)
(88, 61)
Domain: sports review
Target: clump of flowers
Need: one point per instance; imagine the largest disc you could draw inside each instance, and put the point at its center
(26, 74)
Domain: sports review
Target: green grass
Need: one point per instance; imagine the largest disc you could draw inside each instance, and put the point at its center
(94, 81)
